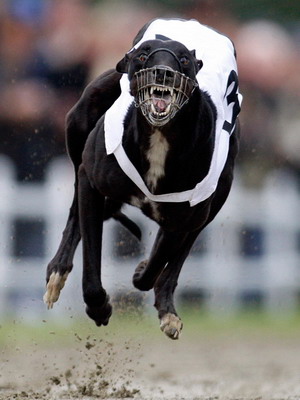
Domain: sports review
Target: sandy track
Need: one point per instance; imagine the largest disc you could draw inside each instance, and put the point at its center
(107, 365)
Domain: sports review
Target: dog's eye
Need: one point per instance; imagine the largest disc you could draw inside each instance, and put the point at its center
(143, 57)
(184, 60)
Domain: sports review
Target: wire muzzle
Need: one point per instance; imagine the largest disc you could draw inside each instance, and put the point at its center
(162, 92)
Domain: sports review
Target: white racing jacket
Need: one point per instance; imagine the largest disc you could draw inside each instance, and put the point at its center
(218, 77)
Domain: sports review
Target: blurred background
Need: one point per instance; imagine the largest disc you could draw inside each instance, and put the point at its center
(249, 258)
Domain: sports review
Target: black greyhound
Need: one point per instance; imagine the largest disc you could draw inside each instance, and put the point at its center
(171, 145)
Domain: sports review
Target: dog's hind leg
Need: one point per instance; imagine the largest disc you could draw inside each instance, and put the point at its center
(62, 263)
(91, 212)
(163, 249)
(170, 322)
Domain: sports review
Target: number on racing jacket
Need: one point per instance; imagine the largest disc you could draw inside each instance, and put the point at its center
(232, 98)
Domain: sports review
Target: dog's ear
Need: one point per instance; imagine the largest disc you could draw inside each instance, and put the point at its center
(198, 63)
(122, 65)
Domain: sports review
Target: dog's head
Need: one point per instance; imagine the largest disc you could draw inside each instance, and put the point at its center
(162, 78)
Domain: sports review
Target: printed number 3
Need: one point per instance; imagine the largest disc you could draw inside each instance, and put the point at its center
(233, 105)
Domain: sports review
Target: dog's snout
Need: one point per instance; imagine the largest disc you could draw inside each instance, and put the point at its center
(161, 73)
(163, 57)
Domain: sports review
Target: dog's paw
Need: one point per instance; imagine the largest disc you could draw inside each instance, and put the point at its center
(101, 314)
(138, 280)
(54, 286)
(171, 325)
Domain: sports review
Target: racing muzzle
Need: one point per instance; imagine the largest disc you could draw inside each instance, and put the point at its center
(161, 92)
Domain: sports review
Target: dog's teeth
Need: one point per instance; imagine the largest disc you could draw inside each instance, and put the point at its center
(161, 89)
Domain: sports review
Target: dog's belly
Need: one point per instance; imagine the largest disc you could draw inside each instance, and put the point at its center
(173, 217)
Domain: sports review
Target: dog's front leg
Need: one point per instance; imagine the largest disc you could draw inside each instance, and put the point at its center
(62, 263)
(165, 285)
(91, 209)
(161, 271)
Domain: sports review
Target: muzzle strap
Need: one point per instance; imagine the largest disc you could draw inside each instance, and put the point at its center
(166, 50)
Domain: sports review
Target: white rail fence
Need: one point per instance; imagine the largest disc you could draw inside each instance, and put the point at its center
(250, 255)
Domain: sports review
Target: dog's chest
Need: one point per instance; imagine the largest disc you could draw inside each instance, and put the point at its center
(156, 155)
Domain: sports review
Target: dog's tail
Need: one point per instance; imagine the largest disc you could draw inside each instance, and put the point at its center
(128, 223)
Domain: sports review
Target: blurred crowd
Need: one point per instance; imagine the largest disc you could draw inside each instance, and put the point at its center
(51, 49)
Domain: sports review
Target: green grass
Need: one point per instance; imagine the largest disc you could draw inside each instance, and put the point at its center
(69, 331)
(243, 323)
(126, 325)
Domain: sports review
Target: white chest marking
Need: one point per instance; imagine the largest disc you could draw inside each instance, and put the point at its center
(156, 155)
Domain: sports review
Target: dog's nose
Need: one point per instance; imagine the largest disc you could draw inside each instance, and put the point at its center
(161, 73)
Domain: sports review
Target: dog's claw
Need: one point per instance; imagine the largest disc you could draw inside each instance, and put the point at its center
(55, 284)
(171, 325)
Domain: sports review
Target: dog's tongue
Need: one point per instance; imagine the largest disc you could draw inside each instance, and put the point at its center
(161, 103)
